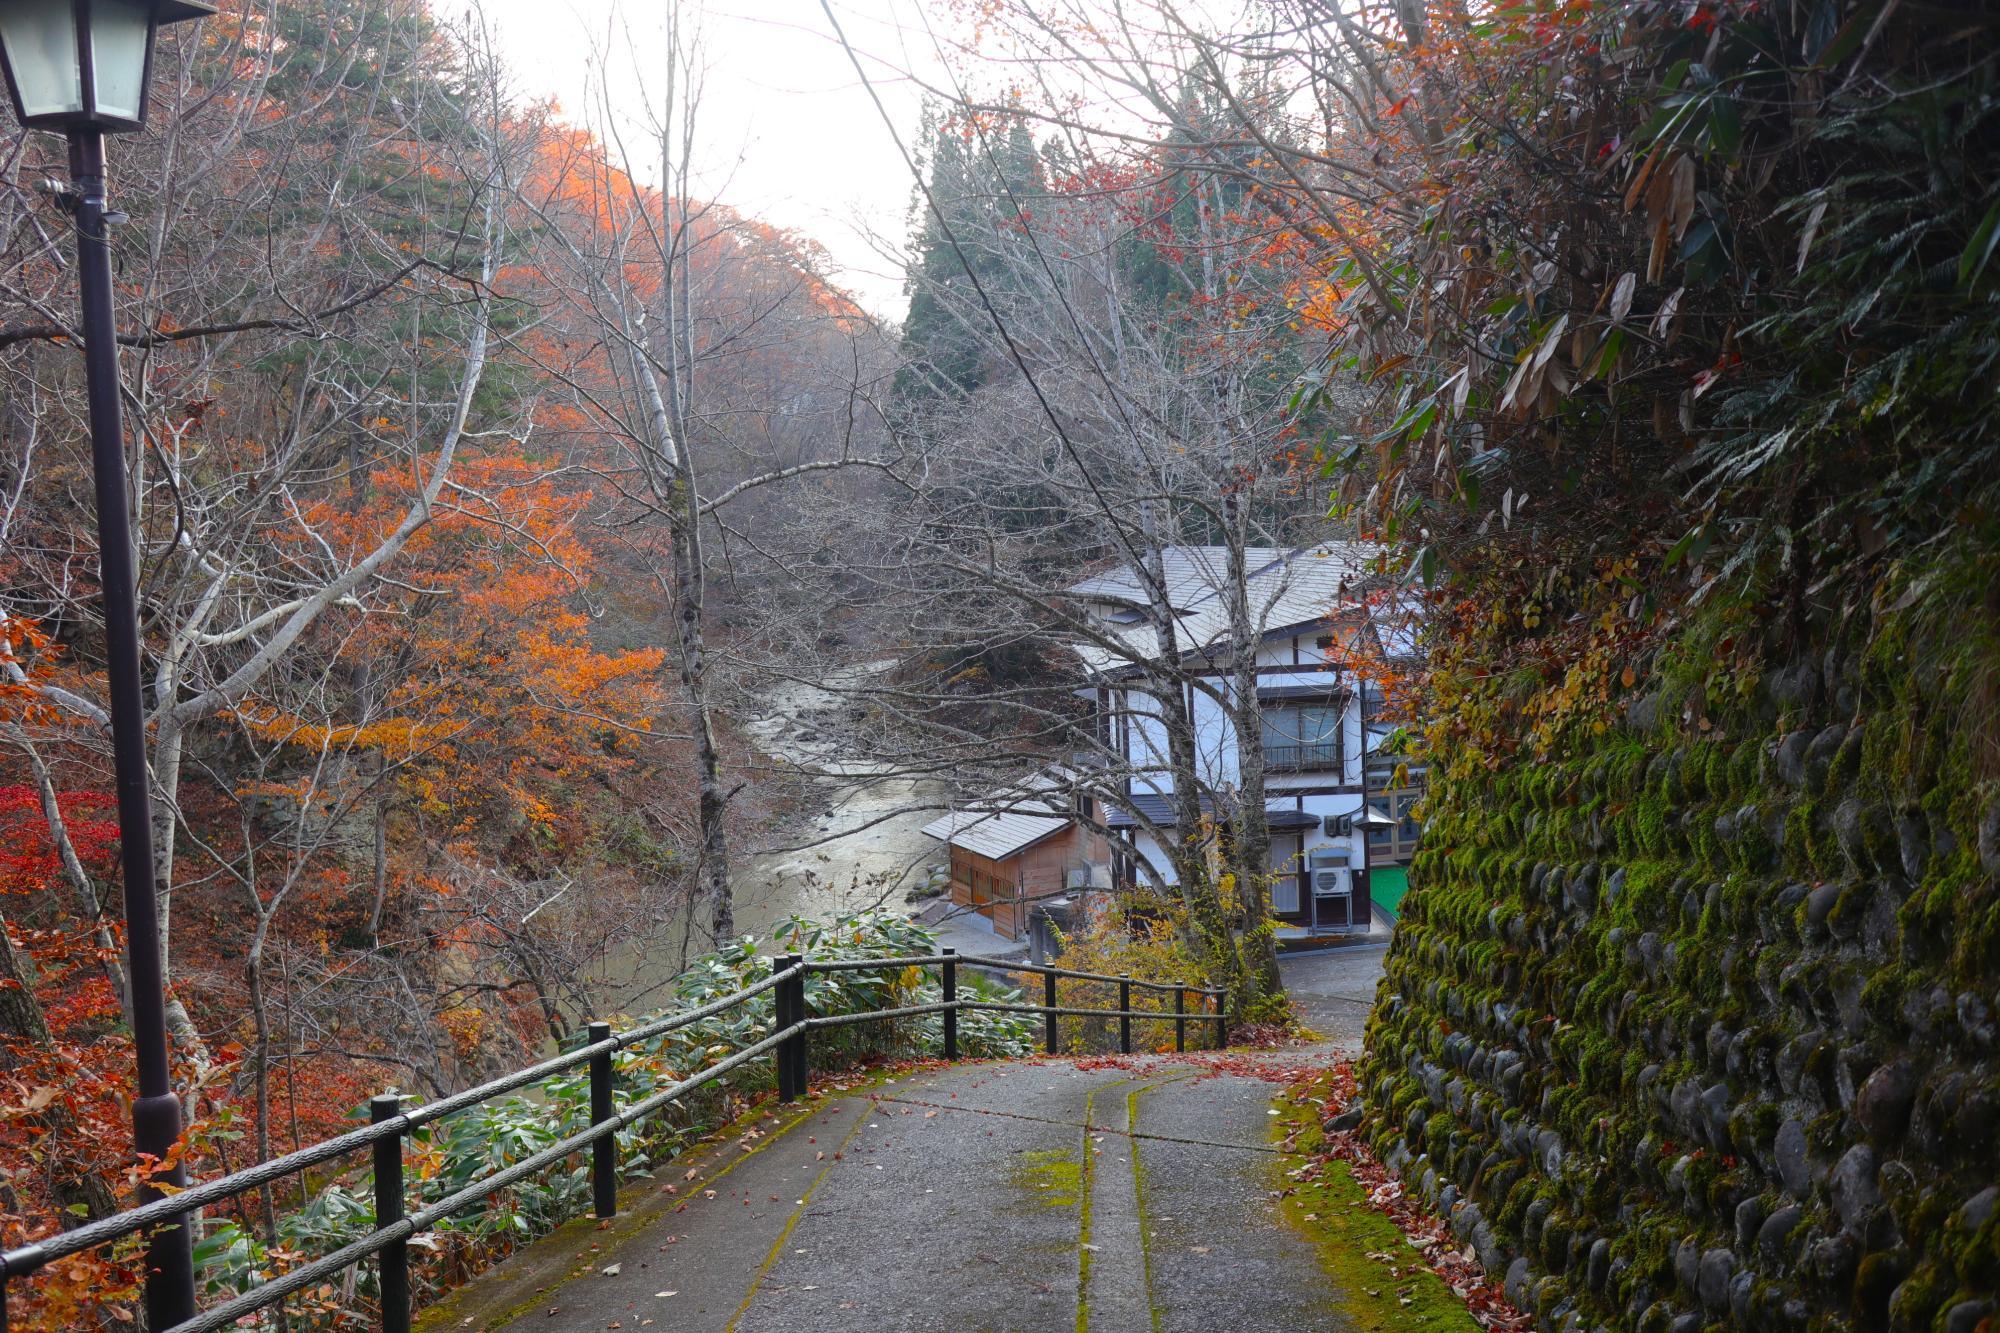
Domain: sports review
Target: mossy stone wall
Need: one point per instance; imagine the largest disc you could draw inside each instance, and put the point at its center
(1693, 1023)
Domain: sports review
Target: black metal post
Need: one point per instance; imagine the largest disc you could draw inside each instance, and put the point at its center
(1221, 1023)
(782, 1017)
(1125, 1013)
(394, 1260)
(1049, 1012)
(951, 998)
(156, 1112)
(792, 1068)
(604, 1152)
(1180, 1018)
(801, 1052)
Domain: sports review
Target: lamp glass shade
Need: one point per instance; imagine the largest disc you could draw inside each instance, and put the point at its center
(40, 46)
(121, 37)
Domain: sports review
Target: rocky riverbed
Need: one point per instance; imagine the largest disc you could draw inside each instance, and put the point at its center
(858, 841)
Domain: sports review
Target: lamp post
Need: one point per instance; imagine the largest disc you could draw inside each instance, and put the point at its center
(84, 67)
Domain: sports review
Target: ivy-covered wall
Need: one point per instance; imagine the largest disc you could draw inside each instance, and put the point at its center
(1691, 1019)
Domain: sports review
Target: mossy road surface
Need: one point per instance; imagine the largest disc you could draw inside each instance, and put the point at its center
(1050, 1195)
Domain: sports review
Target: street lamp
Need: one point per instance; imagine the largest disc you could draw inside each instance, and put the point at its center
(86, 64)
(84, 67)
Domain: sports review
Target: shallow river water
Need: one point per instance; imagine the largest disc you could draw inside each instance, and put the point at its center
(867, 843)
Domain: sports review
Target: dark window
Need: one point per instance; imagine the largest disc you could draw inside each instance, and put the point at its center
(1299, 737)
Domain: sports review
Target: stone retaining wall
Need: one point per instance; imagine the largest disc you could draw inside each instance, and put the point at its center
(1696, 1026)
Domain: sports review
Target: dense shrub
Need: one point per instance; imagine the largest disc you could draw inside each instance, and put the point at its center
(1141, 934)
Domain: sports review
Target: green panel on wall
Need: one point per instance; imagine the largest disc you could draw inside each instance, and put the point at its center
(1386, 886)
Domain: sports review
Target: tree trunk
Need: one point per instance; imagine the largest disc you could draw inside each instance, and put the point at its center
(677, 149)
(712, 807)
(169, 740)
(672, 482)
(1251, 849)
(1167, 682)
(380, 899)
(261, 1073)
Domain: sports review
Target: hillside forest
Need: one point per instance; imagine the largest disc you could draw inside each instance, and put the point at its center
(494, 490)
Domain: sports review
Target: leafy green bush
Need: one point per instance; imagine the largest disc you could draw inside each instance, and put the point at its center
(1143, 934)
(448, 1155)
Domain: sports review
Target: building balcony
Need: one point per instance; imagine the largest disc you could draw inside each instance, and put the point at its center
(1310, 757)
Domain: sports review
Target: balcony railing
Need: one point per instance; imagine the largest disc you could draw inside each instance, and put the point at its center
(1312, 757)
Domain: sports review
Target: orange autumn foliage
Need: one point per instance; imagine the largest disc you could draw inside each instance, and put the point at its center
(500, 706)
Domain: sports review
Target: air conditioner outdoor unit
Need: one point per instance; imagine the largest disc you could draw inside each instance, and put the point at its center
(1333, 893)
(1333, 883)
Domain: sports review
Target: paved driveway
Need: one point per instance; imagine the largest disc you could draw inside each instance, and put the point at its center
(1126, 1196)
(1334, 989)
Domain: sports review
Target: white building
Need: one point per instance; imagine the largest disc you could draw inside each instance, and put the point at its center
(1339, 836)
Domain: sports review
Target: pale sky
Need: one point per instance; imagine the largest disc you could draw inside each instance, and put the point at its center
(788, 132)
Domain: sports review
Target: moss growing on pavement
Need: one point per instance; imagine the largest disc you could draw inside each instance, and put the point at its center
(1053, 1179)
(556, 1258)
(492, 1301)
(1382, 1284)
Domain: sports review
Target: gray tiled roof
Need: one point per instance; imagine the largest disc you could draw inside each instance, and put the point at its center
(1005, 822)
(1286, 589)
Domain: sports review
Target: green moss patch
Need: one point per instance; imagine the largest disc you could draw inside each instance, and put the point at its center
(1381, 1279)
(1053, 1179)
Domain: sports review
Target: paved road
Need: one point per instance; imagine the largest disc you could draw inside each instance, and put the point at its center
(1334, 989)
(1026, 1196)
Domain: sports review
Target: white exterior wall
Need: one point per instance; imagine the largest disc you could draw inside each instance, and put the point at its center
(1278, 652)
(1216, 755)
(1148, 848)
(1145, 740)
(1214, 735)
